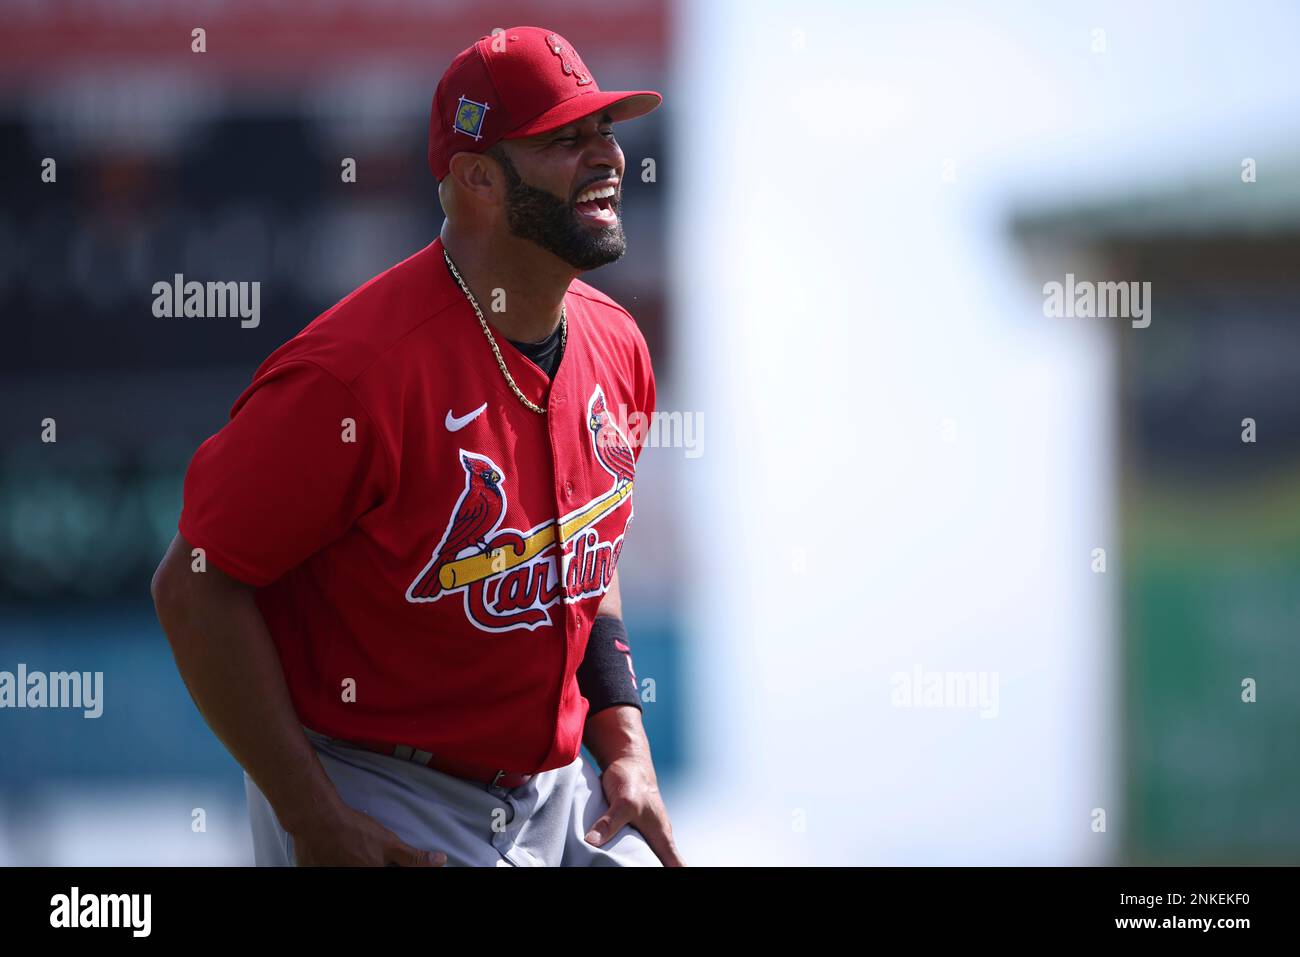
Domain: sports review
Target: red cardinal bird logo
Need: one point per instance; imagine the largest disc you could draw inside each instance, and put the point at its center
(612, 448)
(478, 512)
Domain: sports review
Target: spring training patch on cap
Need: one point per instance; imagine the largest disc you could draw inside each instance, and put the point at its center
(469, 118)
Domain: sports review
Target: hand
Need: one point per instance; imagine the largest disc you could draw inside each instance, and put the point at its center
(633, 794)
(344, 837)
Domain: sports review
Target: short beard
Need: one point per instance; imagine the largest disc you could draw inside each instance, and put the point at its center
(552, 223)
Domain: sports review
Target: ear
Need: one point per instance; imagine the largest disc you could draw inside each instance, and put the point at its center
(479, 176)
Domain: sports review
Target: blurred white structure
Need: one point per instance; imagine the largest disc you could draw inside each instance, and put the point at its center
(906, 465)
(146, 825)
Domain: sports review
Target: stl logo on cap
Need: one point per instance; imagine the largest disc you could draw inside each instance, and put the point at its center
(469, 118)
(570, 62)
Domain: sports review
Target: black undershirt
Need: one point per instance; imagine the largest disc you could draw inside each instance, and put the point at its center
(545, 354)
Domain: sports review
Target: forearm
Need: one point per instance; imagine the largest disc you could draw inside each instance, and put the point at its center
(229, 664)
(614, 733)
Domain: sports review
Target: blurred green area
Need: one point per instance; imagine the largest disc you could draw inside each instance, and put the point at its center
(1212, 599)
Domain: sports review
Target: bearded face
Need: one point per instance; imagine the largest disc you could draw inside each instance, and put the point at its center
(584, 230)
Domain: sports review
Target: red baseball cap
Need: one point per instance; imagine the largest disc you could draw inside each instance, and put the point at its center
(518, 82)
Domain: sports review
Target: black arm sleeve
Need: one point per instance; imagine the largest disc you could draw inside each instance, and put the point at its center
(605, 676)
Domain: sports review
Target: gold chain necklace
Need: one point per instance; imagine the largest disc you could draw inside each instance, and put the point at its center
(510, 380)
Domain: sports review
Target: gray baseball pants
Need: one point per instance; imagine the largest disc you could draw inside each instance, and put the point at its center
(541, 823)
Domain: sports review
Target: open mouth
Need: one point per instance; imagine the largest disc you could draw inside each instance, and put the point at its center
(596, 204)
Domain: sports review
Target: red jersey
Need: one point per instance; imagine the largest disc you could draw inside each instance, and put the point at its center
(429, 553)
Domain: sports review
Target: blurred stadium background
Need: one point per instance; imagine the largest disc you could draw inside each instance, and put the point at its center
(905, 465)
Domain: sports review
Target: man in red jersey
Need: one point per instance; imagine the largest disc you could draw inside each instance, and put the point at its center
(394, 595)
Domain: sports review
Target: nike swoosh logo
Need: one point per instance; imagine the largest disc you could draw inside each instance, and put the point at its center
(455, 424)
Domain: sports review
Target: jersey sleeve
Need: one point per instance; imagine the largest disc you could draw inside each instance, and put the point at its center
(297, 464)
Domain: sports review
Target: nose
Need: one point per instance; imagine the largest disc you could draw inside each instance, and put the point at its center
(606, 154)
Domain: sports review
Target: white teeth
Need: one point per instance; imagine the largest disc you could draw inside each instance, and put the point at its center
(602, 192)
